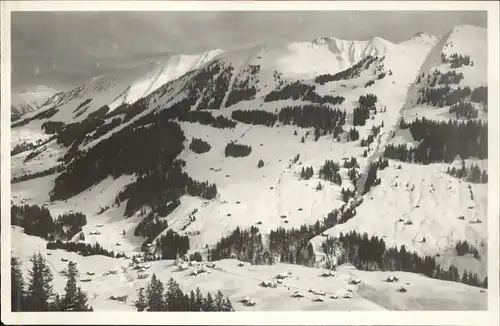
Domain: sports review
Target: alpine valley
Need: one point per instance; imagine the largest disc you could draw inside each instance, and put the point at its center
(321, 175)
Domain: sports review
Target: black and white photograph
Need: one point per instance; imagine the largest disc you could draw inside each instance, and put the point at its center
(248, 160)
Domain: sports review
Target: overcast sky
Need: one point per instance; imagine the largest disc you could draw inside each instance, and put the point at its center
(64, 49)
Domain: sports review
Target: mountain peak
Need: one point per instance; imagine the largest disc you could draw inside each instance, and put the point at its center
(423, 36)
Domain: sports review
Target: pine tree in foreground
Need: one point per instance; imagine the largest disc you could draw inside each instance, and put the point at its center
(81, 301)
(208, 304)
(227, 305)
(141, 304)
(154, 295)
(199, 300)
(69, 300)
(219, 301)
(175, 300)
(74, 298)
(40, 292)
(17, 285)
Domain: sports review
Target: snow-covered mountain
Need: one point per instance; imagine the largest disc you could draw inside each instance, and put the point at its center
(19, 107)
(31, 100)
(222, 141)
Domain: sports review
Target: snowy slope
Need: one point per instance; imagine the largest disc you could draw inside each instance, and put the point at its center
(250, 196)
(425, 195)
(19, 107)
(462, 40)
(38, 96)
(239, 282)
(29, 101)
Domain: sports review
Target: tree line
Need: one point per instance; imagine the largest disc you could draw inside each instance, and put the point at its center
(215, 89)
(151, 226)
(472, 174)
(456, 60)
(237, 150)
(313, 116)
(299, 91)
(322, 118)
(463, 247)
(37, 293)
(463, 110)
(442, 96)
(373, 254)
(170, 297)
(367, 101)
(28, 176)
(76, 133)
(442, 141)
(83, 249)
(330, 171)
(162, 186)
(53, 127)
(241, 244)
(255, 117)
(306, 173)
(480, 95)
(199, 146)
(38, 221)
(46, 114)
(22, 147)
(349, 73)
(359, 116)
(122, 153)
(242, 90)
(290, 245)
(362, 113)
(438, 78)
(206, 118)
(172, 245)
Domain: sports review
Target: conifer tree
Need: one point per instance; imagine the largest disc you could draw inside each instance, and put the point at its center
(208, 305)
(484, 177)
(141, 304)
(40, 290)
(199, 303)
(56, 305)
(69, 300)
(192, 301)
(219, 301)
(227, 305)
(17, 285)
(81, 301)
(465, 279)
(174, 297)
(154, 295)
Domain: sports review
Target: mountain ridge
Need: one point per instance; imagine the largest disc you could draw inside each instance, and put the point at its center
(187, 153)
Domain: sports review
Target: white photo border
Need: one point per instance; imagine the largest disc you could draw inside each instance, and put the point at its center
(489, 317)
